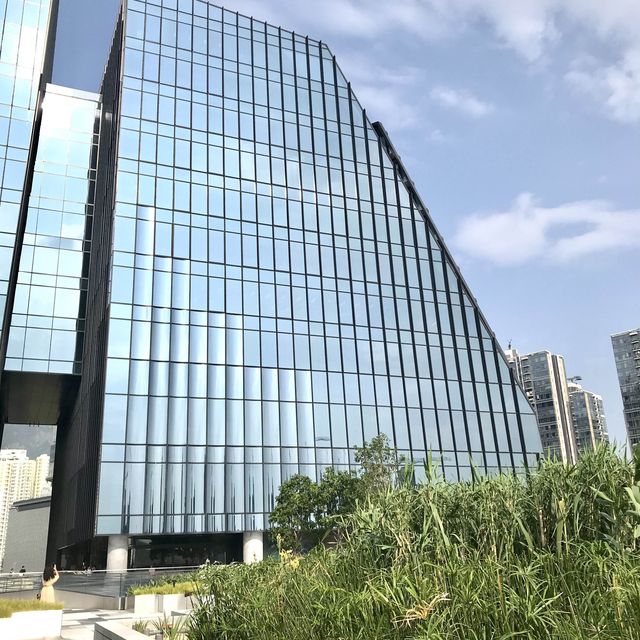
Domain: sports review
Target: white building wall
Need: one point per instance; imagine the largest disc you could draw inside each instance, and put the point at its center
(41, 472)
(26, 542)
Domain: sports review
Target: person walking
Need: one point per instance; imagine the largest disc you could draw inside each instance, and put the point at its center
(49, 578)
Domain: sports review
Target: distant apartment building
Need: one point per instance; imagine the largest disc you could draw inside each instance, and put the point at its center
(544, 380)
(41, 476)
(626, 351)
(589, 420)
(20, 479)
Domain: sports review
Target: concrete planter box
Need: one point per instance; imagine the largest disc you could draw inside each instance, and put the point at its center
(150, 604)
(32, 625)
(116, 631)
(172, 602)
(145, 605)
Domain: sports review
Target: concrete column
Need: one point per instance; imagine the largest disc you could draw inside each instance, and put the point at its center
(117, 553)
(252, 547)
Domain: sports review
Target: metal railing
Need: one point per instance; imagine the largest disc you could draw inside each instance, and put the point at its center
(98, 583)
(20, 581)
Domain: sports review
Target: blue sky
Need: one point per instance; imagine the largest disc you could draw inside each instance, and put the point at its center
(520, 124)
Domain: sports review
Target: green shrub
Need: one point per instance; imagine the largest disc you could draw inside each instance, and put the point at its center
(7, 606)
(163, 588)
(141, 626)
(169, 627)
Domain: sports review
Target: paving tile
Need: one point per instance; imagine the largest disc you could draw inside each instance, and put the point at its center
(78, 624)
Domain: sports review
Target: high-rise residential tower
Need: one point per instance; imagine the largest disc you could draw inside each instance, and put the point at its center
(257, 288)
(544, 380)
(587, 414)
(20, 479)
(626, 351)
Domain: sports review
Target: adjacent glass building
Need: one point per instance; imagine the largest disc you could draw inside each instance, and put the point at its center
(24, 58)
(47, 330)
(260, 290)
(626, 351)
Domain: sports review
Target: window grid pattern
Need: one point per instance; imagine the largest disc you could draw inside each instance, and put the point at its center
(300, 302)
(47, 325)
(626, 351)
(23, 32)
(589, 420)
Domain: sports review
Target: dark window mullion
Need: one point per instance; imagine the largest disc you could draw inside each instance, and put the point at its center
(391, 268)
(457, 364)
(440, 345)
(389, 204)
(344, 207)
(474, 382)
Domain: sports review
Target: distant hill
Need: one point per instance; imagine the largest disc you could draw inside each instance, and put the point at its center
(36, 440)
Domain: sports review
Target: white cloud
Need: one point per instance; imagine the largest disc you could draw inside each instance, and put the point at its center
(387, 94)
(354, 18)
(526, 26)
(387, 104)
(528, 231)
(461, 100)
(610, 20)
(617, 86)
(437, 136)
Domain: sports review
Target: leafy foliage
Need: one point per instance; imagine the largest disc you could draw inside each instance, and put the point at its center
(307, 513)
(165, 585)
(141, 626)
(293, 517)
(170, 627)
(380, 464)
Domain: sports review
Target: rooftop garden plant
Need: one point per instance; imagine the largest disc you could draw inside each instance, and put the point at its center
(553, 553)
(10, 606)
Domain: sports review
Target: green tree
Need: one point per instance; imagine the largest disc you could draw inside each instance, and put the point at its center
(306, 513)
(339, 492)
(380, 464)
(293, 519)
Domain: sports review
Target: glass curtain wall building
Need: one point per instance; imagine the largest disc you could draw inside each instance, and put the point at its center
(264, 291)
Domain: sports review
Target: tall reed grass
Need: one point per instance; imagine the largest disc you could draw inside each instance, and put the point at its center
(551, 555)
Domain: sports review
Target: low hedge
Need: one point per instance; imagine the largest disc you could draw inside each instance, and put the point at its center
(163, 588)
(7, 607)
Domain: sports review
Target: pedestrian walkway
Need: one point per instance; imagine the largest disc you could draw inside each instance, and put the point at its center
(77, 624)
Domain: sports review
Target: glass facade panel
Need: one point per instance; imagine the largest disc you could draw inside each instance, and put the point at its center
(23, 39)
(51, 287)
